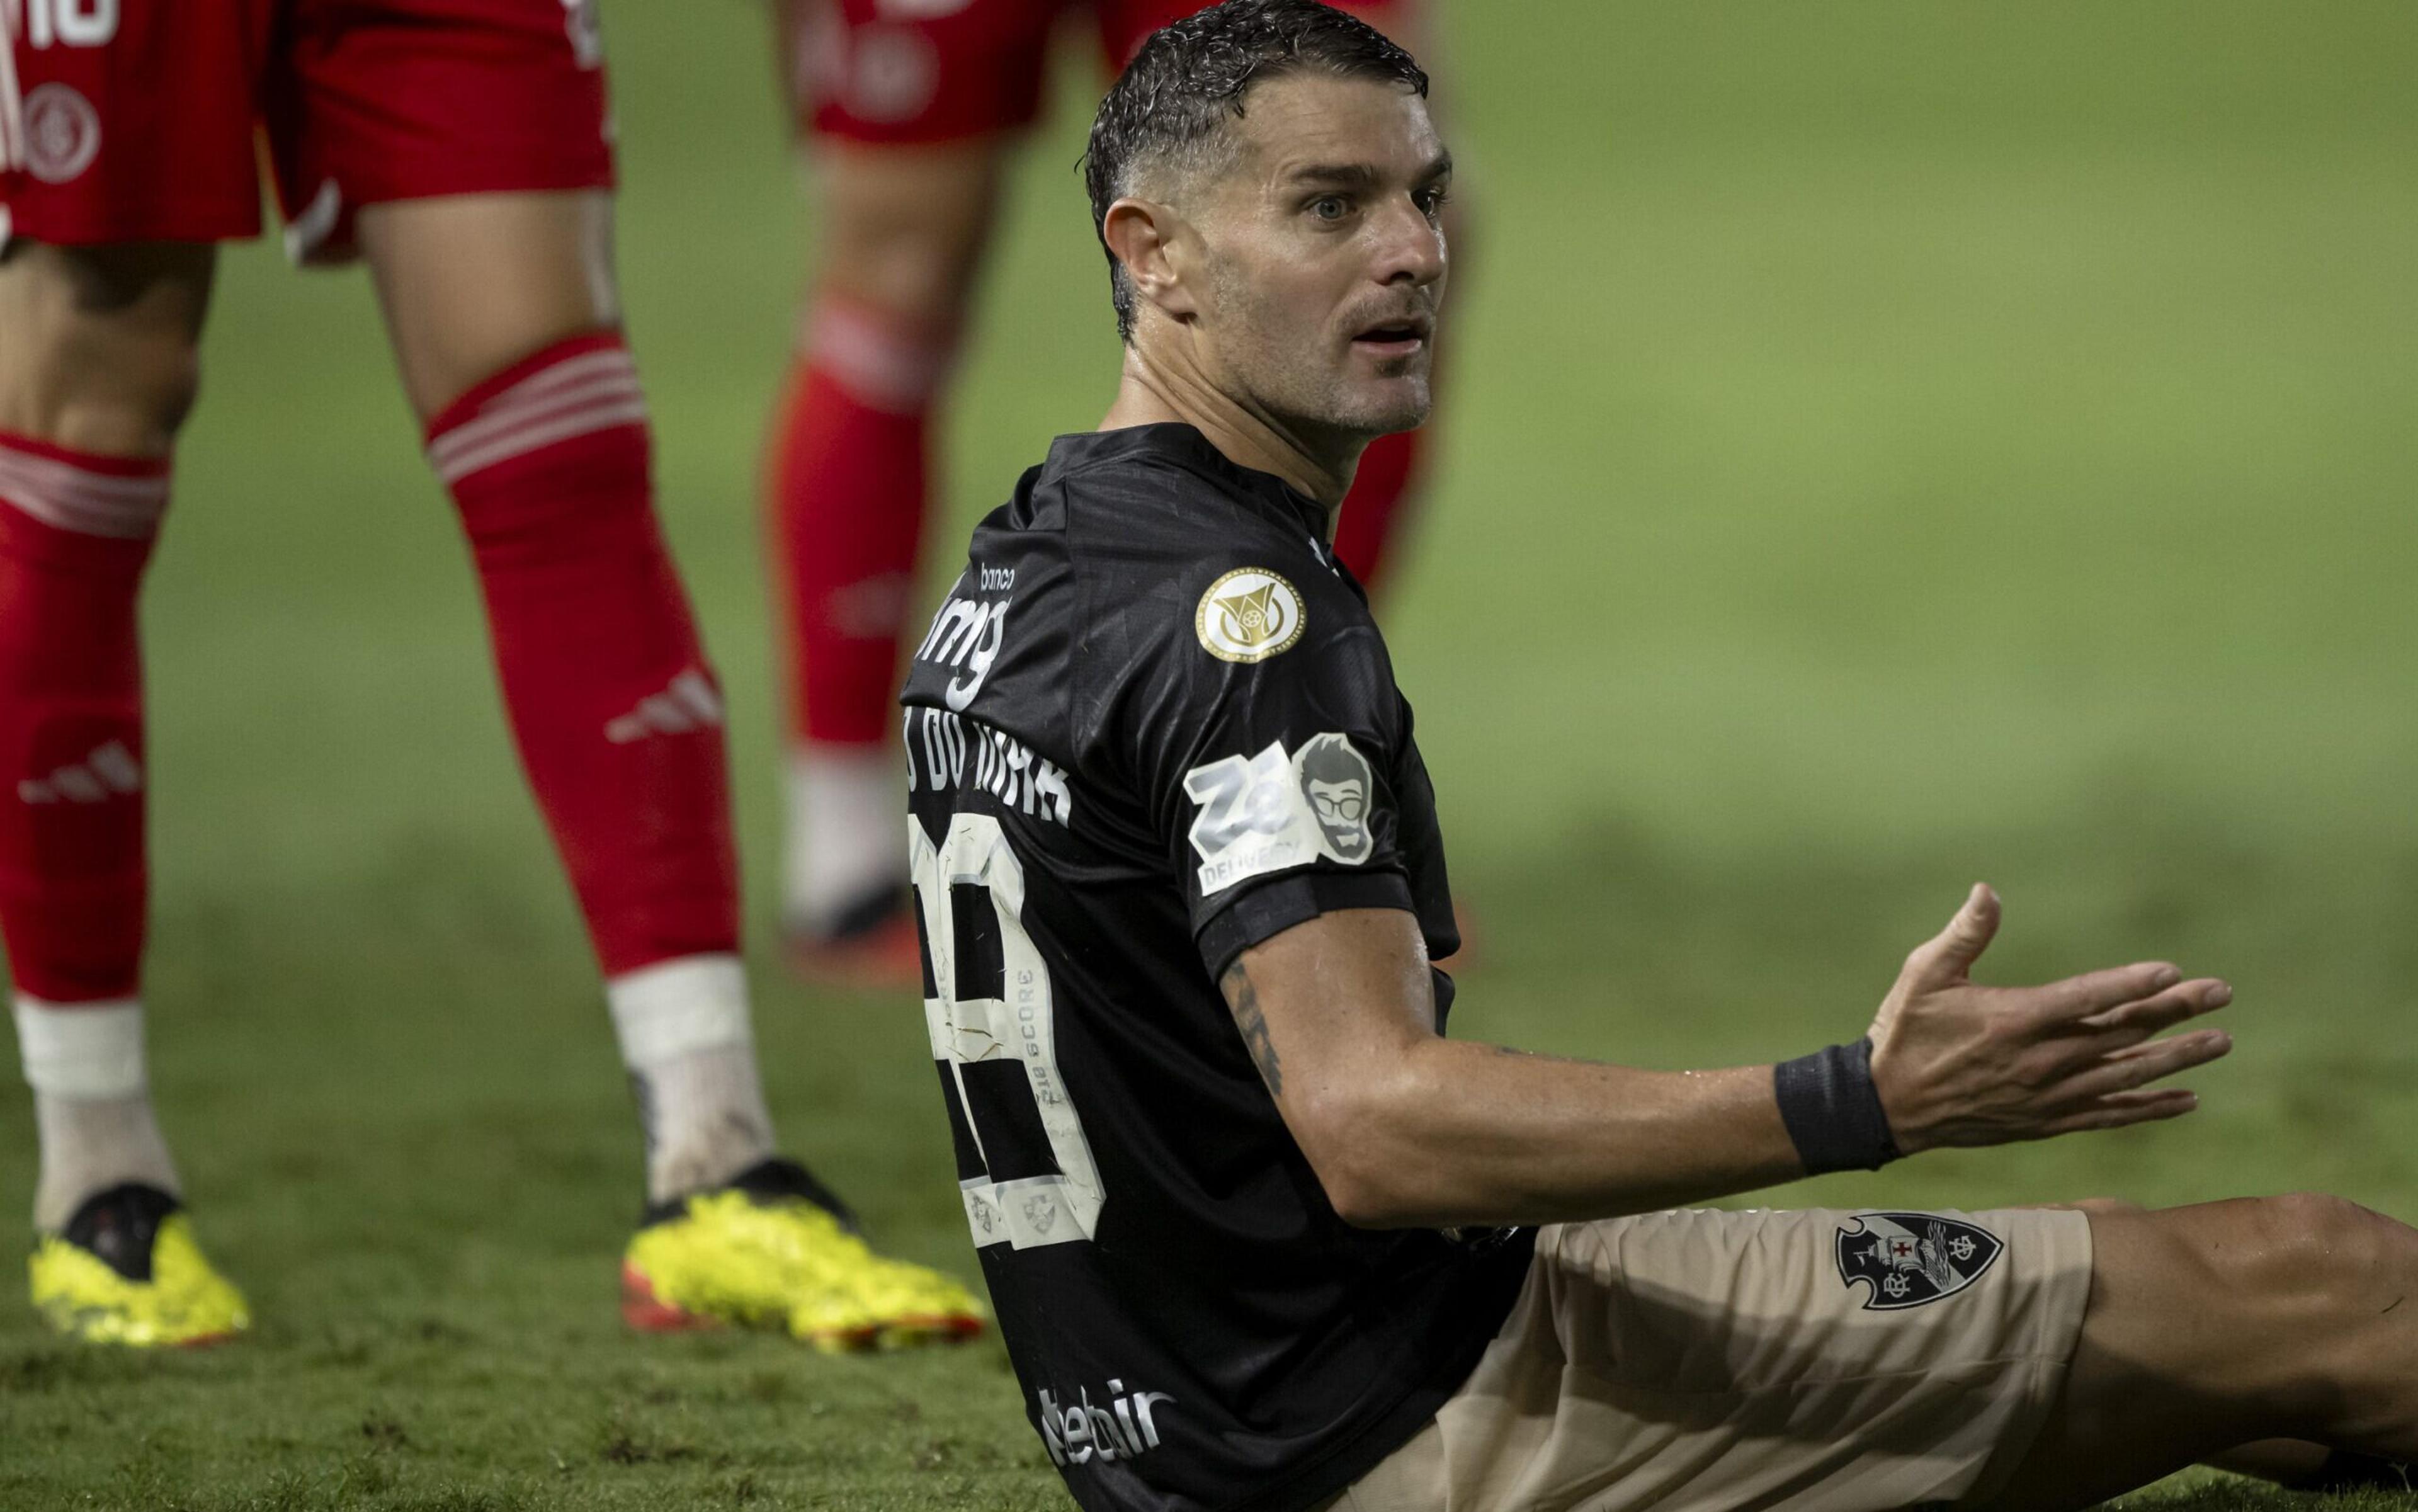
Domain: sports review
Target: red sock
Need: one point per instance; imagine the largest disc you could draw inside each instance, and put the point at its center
(76, 531)
(616, 714)
(1378, 504)
(848, 492)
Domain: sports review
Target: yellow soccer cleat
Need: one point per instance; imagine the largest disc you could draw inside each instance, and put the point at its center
(126, 1270)
(776, 1249)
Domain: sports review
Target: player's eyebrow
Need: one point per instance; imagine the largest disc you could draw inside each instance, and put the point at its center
(1340, 175)
(1363, 176)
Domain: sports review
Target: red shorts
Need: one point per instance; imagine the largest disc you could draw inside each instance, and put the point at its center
(135, 120)
(897, 71)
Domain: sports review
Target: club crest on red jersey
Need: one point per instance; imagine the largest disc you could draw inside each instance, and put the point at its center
(62, 133)
(1908, 1258)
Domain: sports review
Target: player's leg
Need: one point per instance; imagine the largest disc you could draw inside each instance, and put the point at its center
(909, 119)
(125, 151)
(503, 315)
(463, 146)
(2291, 1462)
(2226, 1325)
(849, 485)
(95, 378)
(1855, 1361)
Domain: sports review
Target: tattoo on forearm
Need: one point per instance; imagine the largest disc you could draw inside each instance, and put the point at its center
(1245, 1002)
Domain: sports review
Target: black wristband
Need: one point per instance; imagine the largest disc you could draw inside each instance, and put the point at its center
(1833, 1111)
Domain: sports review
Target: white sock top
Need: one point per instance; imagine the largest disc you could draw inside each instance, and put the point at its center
(847, 835)
(85, 1051)
(679, 1007)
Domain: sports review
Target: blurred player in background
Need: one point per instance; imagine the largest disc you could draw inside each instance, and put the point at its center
(461, 146)
(912, 106)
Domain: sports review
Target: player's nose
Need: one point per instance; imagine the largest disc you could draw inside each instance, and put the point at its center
(1410, 245)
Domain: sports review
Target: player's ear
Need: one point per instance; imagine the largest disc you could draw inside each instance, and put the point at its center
(1144, 235)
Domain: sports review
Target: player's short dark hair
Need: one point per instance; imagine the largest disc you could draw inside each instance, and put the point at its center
(1188, 80)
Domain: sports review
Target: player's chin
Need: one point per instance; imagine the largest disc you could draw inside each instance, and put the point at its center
(1386, 405)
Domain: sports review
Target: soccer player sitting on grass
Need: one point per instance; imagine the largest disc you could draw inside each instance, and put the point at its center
(460, 145)
(1257, 1233)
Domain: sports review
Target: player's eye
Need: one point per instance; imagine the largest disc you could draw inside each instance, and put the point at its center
(1330, 208)
(1433, 201)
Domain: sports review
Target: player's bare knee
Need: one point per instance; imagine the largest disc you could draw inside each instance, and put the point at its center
(2326, 1273)
(2318, 1237)
(472, 284)
(106, 348)
(2324, 1269)
(918, 275)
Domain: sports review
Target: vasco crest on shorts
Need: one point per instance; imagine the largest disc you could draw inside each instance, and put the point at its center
(1913, 1257)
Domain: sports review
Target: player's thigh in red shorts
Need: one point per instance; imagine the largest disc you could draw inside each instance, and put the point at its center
(132, 120)
(902, 72)
(909, 72)
(1125, 24)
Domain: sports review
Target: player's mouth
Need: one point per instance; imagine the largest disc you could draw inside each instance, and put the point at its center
(1400, 337)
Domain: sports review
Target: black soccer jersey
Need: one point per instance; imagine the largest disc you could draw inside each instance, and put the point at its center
(1153, 726)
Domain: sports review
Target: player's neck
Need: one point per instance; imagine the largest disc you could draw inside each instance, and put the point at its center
(1152, 393)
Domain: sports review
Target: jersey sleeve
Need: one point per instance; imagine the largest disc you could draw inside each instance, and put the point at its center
(1266, 733)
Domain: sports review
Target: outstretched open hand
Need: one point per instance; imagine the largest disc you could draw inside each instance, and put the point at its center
(1960, 1063)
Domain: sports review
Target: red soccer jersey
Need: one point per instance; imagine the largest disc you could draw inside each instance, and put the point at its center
(127, 121)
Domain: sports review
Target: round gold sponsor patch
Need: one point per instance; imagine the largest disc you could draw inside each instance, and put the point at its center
(1248, 614)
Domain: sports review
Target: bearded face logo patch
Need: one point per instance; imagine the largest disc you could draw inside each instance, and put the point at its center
(1909, 1258)
(1335, 779)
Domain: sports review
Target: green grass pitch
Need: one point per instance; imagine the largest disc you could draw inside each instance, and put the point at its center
(1889, 444)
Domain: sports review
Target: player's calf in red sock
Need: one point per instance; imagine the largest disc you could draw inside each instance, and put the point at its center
(618, 722)
(848, 486)
(75, 534)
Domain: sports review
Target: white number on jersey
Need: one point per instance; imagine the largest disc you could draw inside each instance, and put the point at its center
(1057, 1208)
(71, 22)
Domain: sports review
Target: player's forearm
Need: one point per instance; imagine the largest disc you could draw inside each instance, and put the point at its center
(1452, 1134)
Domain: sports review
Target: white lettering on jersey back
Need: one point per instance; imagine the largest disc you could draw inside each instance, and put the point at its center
(1078, 1432)
(1274, 811)
(947, 750)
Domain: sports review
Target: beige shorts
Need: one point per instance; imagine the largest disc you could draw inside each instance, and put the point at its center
(1828, 1360)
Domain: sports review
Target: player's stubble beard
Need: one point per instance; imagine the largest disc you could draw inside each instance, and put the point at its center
(1300, 374)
